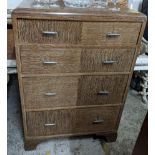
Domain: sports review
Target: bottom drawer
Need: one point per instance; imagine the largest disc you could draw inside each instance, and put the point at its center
(72, 121)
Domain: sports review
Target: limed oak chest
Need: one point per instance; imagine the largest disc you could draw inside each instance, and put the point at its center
(74, 69)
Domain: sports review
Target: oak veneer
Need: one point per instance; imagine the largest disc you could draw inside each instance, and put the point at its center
(74, 81)
(73, 91)
(98, 60)
(100, 90)
(33, 58)
(71, 60)
(80, 120)
(129, 33)
(36, 92)
(31, 31)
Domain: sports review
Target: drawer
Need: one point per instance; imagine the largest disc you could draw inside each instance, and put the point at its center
(67, 121)
(110, 33)
(47, 31)
(46, 60)
(49, 92)
(100, 90)
(85, 33)
(107, 60)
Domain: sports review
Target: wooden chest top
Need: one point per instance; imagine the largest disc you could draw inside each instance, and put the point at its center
(62, 12)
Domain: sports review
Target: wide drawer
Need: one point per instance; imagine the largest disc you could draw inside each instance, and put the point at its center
(46, 60)
(70, 121)
(110, 33)
(72, 32)
(47, 31)
(100, 90)
(49, 92)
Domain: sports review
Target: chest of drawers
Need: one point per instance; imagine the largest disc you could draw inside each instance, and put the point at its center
(74, 69)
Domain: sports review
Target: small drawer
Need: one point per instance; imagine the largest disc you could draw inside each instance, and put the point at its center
(72, 121)
(99, 90)
(107, 60)
(46, 60)
(110, 33)
(49, 92)
(47, 31)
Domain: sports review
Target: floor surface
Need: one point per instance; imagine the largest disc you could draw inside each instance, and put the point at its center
(131, 121)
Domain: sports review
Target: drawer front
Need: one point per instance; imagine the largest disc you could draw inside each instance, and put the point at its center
(99, 90)
(85, 33)
(83, 120)
(110, 33)
(107, 60)
(49, 92)
(46, 31)
(96, 119)
(46, 60)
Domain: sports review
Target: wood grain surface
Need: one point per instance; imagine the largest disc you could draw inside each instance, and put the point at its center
(73, 91)
(71, 121)
(33, 58)
(35, 88)
(31, 31)
(129, 33)
(69, 60)
(96, 60)
(90, 87)
(62, 13)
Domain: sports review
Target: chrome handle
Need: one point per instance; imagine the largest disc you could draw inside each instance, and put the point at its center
(103, 92)
(49, 124)
(49, 94)
(98, 120)
(113, 34)
(109, 62)
(49, 62)
(49, 33)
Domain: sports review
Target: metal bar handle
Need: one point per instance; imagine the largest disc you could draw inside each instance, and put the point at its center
(49, 62)
(98, 121)
(103, 92)
(49, 33)
(49, 94)
(113, 34)
(109, 62)
(49, 124)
